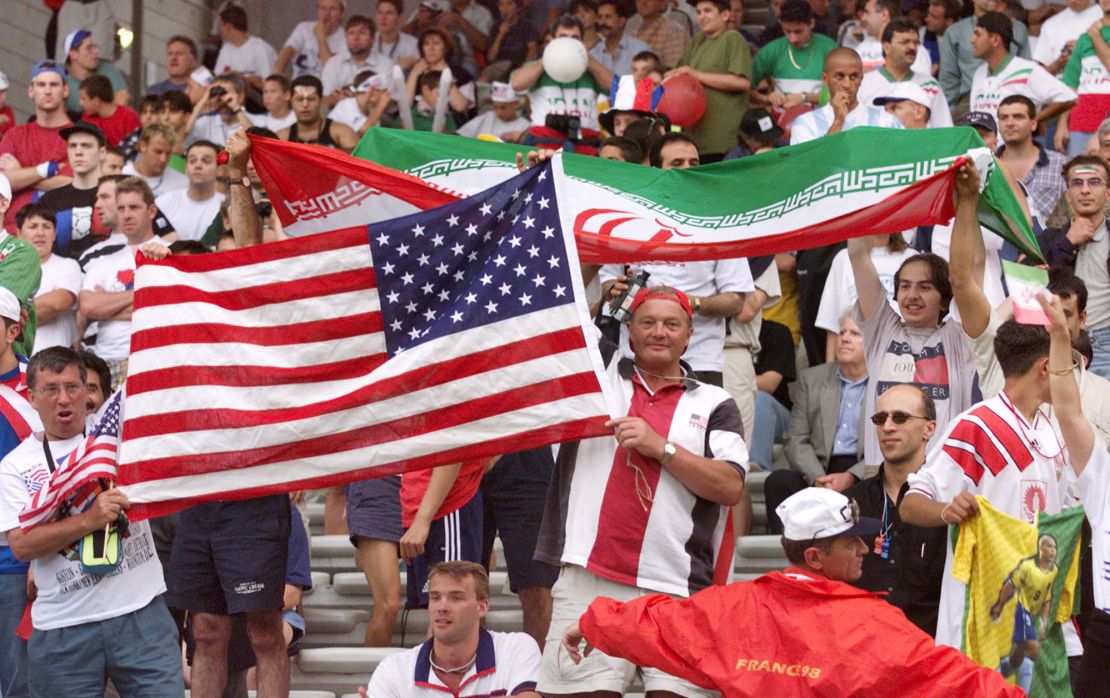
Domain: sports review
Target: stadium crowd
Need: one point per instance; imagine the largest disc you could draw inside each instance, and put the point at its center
(838, 372)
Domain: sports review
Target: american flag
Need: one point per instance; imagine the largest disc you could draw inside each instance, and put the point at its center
(448, 335)
(80, 476)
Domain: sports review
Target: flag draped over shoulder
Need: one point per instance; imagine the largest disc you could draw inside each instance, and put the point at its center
(448, 335)
(859, 182)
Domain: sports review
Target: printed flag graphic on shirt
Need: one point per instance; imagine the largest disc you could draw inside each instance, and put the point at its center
(449, 335)
(1022, 584)
(83, 474)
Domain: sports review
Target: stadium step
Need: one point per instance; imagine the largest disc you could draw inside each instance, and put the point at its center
(758, 554)
(341, 670)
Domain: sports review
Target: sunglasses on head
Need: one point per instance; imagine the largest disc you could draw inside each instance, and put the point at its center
(899, 417)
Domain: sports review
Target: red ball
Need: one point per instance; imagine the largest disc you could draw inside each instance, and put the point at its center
(683, 100)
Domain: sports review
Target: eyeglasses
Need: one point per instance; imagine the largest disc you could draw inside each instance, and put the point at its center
(52, 391)
(899, 417)
(1091, 182)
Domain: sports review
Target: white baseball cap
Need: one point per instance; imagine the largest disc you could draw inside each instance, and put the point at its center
(899, 91)
(4, 84)
(9, 305)
(502, 93)
(818, 512)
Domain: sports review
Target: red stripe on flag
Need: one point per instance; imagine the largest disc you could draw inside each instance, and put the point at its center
(19, 425)
(251, 376)
(382, 432)
(283, 335)
(566, 431)
(263, 294)
(1011, 441)
(341, 238)
(402, 384)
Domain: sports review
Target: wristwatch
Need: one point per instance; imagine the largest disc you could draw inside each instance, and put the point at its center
(697, 305)
(669, 450)
(245, 181)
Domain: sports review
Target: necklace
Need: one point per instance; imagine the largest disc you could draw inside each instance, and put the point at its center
(462, 669)
(790, 53)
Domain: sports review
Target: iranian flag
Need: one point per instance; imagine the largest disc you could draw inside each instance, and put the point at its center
(862, 182)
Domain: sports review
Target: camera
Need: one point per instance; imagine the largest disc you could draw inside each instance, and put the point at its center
(564, 123)
(218, 91)
(617, 311)
(264, 208)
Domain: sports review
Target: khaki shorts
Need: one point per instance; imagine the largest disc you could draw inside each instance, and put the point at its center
(572, 593)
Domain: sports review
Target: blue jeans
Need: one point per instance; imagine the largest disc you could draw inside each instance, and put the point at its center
(13, 650)
(1077, 142)
(1100, 343)
(768, 429)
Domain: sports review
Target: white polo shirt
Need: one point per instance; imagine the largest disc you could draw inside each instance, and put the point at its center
(1016, 76)
(507, 664)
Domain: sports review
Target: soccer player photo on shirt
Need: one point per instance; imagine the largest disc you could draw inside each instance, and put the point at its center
(1031, 583)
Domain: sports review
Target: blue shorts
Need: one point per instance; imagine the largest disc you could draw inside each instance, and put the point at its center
(457, 536)
(374, 509)
(1024, 626)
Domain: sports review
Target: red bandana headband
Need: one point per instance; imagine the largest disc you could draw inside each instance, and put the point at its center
(673, 295)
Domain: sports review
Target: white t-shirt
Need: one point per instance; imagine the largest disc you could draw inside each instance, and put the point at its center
(506, 664)
(306, 57)
(1061, 28)
(1093, 487)
(341, 69)
(115, 273)
(169, 180)
(578, 98)
(212, 127)
(706, 350)
(188, 217)
(346, 112)
(67, 596)
(271, 122)
(814, 124)
(840, 287)
(57, 273)
(870, 51)
(489, 123)
(876, 81)
(406, 46)
(254, 57)
(1016, 76)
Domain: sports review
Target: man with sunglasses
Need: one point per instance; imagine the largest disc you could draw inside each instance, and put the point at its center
(905, 561)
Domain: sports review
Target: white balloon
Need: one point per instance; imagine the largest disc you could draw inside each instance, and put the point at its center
(565, 59)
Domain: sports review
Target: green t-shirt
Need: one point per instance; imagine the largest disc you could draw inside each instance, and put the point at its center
(20, 273)
(727, 52)
(793, 70)
(423, 122)
(73, 102)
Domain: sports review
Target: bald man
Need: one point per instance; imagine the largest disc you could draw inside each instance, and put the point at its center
(843, 74)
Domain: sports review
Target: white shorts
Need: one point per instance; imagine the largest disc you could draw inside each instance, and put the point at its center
(572, 593)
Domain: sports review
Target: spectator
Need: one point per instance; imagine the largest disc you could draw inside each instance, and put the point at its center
(56, 298)
(181, 60)
(176, 110)
(72, 205)
(736, 22)
(874, 18)
(1001, 72)
(374, 523)
(1060, 32)
(93, 15)
(618, 47)
(243, 54)
(339, 72)
(674, 151)
(758, 133)
(718, 58)
(824, 439)
(899, 47)
(191, 210)
(365, 109)
(563, 111)
(390, 41)
(481, 661)
(82, 59)
(622, 149)
(100, 380)
(1037, 168)
(220, 113)
(116, 122)
(909, 103)
(794, 61)
(277, 98)
(585, 11)
(425, 110)
(7, 117)
(155, 147)
(627, 97)
(471, 23)
(984, 124)
(20, 274)
(107, 292)
(122, 628)
(888, 253)
(311, 126)
(437, 52)
(1086, 73)
(651, 25)
(514, 43)
(111, 162)
(646, 64)
(843, 75)
(775, 369)
(31, 154)
(150, 111)
(940, 15)
(312, 44)
(503, 121)
(1084, 247)
(773, 29)
(593, 487)
(958, 62)
(907, 561)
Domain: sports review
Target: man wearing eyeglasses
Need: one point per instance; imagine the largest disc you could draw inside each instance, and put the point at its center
(1084, 246)
(904, 561)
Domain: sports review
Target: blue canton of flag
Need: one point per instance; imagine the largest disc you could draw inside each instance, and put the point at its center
(108, 422)
(494, 256)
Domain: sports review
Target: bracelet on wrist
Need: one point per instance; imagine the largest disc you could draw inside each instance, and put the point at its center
(942, 512)
(1062, 371)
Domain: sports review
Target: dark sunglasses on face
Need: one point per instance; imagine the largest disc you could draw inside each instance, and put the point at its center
(899, 417)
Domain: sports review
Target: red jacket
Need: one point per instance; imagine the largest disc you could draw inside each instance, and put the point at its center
(787, 634)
